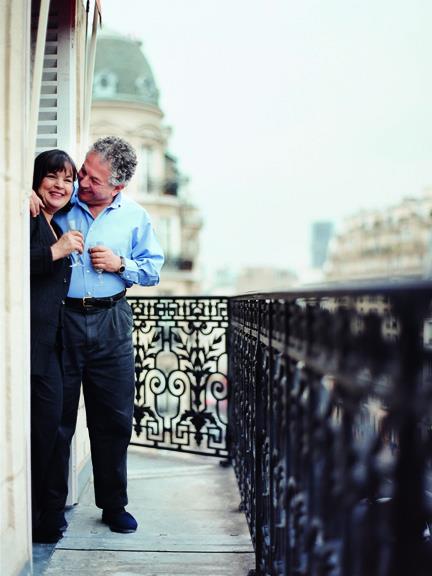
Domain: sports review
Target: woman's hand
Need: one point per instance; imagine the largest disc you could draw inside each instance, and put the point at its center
(72, 241)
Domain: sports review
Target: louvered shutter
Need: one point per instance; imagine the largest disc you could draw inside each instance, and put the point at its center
(47, 134)
(56, 118)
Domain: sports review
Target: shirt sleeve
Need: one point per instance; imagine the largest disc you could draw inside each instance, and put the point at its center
(145, 261)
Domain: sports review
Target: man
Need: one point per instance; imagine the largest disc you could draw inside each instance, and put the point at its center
(120, 250)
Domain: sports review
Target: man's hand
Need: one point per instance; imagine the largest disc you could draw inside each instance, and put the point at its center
(70, 242)
(35, 204)
(104, 259)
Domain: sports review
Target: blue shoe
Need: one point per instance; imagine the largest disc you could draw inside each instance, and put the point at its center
(119, 520)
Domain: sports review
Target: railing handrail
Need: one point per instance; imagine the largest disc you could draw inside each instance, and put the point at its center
(338, 289)
(175, 297)
(317, 290)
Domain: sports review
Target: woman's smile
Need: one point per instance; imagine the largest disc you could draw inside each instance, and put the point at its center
(56, 189)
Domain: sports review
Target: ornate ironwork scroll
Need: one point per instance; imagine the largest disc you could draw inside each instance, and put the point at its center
(181, 374)
(331, 405)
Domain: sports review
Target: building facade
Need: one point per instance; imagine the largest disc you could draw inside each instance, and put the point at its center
(383, 244)
(264, 279)
(45, 66)
(126, 104)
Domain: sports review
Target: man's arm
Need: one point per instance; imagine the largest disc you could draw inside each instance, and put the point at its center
(142, 266)
(35, 204)
(144, 263)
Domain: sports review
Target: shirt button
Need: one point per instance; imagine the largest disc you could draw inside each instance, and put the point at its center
(63, 302)
(65, 280)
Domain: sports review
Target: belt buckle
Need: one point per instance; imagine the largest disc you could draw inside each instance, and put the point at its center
(84, 303)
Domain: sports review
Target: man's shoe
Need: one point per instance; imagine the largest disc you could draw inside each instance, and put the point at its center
(119, 520)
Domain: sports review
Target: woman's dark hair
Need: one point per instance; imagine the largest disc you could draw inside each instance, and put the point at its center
(51, 161)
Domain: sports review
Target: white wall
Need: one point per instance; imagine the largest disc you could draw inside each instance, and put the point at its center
(15, 552)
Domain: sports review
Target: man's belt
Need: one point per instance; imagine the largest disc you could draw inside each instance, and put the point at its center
(87, 303)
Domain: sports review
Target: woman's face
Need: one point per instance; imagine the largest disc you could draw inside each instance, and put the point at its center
(56, 188)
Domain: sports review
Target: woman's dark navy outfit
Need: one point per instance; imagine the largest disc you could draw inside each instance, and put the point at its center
(49, 286)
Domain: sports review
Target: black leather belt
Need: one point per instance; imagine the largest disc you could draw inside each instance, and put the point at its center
(87, 303)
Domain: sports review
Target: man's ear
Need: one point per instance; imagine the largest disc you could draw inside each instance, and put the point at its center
(118, 189)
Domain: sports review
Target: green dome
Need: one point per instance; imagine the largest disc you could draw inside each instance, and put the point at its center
(122, 72)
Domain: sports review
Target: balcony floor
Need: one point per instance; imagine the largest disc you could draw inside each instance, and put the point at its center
(189, 524)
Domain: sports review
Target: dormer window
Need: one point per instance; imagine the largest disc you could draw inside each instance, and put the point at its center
(146, 87)
(105, 84)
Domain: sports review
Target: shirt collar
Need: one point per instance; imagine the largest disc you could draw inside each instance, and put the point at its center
(116, 203)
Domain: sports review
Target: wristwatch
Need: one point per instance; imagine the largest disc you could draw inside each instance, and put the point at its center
(122, 265)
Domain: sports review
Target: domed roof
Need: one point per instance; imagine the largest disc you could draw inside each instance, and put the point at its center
(122, 72)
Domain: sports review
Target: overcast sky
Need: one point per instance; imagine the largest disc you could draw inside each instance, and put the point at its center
(286, 111)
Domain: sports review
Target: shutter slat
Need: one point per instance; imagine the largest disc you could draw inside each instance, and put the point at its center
(47, 135)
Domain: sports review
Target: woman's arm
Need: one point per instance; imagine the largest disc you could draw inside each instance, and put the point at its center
(41, 260)
(42, 257)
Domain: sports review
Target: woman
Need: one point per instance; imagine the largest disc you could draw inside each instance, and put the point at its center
(53, 178)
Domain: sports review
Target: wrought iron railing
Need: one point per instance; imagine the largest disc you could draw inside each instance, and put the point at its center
(330, 420)
(326, 415)
(181, 367)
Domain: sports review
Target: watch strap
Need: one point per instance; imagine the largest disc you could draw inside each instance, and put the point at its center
(122, 265)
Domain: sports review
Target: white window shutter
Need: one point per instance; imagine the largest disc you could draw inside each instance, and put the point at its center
(47, 134)
(56, 119)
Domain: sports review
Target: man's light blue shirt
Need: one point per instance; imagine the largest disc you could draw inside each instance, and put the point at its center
(125, 227)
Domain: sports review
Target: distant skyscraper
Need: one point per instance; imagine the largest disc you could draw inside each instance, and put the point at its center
(322, 232)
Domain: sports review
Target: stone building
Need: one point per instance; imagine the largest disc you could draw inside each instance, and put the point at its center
(46, 64)
(384, 244)
(126, 104)
(264, 279)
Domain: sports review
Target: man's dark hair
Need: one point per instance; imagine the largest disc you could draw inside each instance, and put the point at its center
(121, 156)
(51, 161)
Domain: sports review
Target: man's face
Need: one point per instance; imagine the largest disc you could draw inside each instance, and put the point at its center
(94, 187)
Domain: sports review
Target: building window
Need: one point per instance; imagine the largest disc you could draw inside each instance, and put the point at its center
(105, 84)
(164, 236)
(145, 170)
(146, 87)
(169, 235)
